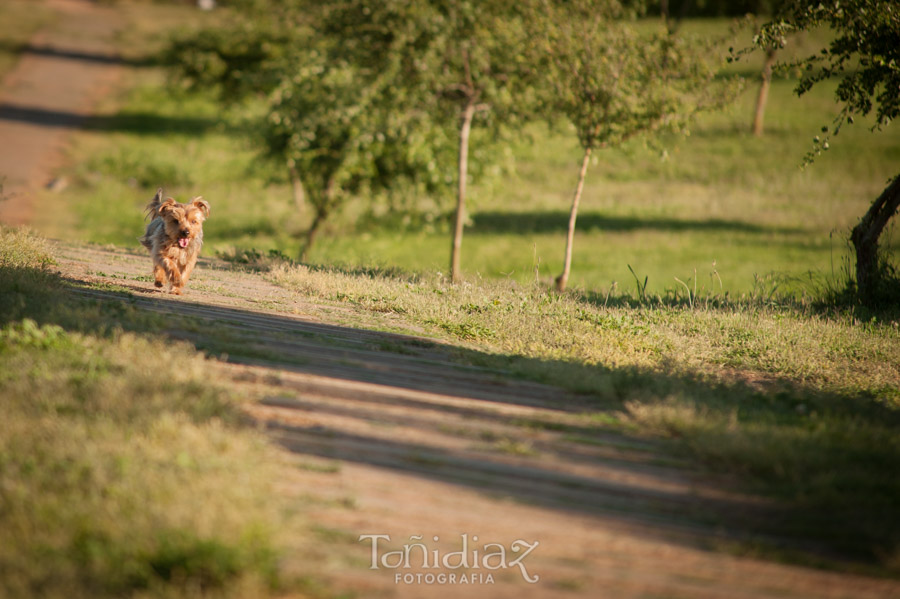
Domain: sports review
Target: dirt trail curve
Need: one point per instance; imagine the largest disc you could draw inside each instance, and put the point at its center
(63, 72)
(401, 437)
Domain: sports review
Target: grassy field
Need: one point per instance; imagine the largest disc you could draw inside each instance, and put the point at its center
(719, 209)
(798, 402)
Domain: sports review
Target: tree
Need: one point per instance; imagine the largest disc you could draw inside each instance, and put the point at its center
(673, 16)
(336, 124)
(612, 82)
(712, 8)
(762, 96)
(251, 53)
(459, 62)
(674, 12)
(358, 92)
(864, 57)
(765, 81)
(324, 122)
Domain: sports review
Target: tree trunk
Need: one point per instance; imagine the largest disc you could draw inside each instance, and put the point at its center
(865, 240)
(763, 95)
(674, 22)
(563, 279)
(297, 189)
(323, 209)
(312, 233)
(465, 127)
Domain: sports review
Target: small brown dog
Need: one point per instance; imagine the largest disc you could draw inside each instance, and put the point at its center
(174, 237)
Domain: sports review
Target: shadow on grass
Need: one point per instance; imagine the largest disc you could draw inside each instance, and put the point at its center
(815, 294)
(75, 55)
(520, 223)
(139, 123)
(251, 259)
(828, 469)
(242, 229)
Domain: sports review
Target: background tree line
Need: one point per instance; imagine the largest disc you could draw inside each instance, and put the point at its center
(369, 98)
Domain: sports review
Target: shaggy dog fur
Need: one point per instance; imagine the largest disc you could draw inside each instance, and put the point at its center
(174, 237)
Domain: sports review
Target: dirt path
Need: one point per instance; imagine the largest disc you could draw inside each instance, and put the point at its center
(396, 435)
(62, 73)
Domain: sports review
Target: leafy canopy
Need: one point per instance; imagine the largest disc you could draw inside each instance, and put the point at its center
(613, 80)
(864, 54)
(441, 53)
(361, 95)
(334, 121)
(336, 125)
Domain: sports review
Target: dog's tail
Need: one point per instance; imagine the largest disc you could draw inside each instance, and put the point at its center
(155, 203)
(151, 211)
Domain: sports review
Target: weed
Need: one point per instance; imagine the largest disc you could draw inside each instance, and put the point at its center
(641, 287)
(468, 330)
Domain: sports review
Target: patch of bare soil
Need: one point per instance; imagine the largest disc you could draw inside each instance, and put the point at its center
(401, 440)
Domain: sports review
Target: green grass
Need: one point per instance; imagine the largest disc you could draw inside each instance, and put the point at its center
(110, 443)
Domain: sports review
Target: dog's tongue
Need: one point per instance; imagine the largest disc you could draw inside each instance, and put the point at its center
(183, 242)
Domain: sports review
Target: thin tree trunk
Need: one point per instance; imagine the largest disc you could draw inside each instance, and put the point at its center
(312, 233)
(465, 128)
(297, 189)
(323, 209)
(763, 96)
(563, 279)
(865, 237)
(673, 23)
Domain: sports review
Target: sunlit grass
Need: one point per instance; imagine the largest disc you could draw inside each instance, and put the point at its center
(119, 455)
(701, 335)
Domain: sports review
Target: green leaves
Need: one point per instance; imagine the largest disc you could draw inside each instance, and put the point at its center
(864, 54)
(864, 57)
(613, 81)
(237, 60)
(333, 121)
(366, 98)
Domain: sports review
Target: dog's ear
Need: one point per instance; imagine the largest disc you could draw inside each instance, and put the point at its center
(201, 205)
(157, 199)
(167, 206)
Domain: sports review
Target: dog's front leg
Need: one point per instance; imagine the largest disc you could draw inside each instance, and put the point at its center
(159, 273)
(188, 269)
(174, 275)
(177, 280)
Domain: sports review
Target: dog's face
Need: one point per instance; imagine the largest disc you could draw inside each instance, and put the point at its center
(184, 222)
